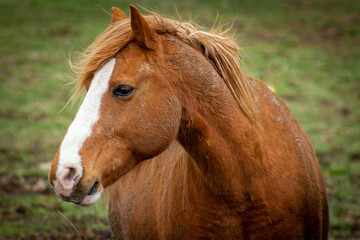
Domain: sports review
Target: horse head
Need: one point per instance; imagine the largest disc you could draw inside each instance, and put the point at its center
(129, 114)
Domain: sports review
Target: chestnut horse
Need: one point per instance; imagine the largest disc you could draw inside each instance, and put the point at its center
(186, 145)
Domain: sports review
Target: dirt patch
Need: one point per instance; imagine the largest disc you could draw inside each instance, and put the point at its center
(24, 185)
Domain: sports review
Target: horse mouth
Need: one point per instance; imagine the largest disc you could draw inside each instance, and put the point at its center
(83, 199)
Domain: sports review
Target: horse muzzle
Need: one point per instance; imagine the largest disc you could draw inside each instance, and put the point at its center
(71, 187)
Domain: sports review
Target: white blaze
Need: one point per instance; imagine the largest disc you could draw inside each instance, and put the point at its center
(88, 114)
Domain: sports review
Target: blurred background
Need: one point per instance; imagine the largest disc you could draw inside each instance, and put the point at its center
(308, 51)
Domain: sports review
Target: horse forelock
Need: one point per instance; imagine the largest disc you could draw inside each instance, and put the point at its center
(221, 50)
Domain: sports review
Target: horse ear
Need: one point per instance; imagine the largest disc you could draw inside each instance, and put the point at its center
(141, 29)
(117, 15)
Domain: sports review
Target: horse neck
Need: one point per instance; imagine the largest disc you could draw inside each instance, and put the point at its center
(222, 142)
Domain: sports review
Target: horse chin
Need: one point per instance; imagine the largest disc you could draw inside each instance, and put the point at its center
(91, 199)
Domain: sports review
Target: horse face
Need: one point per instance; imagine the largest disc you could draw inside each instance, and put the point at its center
(127, 116)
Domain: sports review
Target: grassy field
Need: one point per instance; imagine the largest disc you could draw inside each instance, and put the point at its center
(307, 51)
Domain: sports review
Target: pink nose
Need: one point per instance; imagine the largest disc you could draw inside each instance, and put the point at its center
(67, 179)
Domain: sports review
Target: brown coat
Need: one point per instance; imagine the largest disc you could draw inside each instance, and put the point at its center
(198, 151)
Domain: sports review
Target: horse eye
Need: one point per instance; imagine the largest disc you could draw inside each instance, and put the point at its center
(123, 90)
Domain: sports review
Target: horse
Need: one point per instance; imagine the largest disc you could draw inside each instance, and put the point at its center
(184, 144)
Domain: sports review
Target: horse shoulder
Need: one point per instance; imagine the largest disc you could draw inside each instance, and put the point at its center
(294, 179)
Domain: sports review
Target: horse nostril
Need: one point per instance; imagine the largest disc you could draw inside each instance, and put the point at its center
(68, 177)
(70, 174)
(93, 188)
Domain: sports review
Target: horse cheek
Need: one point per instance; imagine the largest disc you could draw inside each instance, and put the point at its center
(157, 128)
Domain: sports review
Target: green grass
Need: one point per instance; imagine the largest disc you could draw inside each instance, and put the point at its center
(39, 215)
(308, 51)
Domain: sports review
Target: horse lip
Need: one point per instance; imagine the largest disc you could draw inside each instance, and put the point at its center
(72, 198)
(78, 199)
(66, 199)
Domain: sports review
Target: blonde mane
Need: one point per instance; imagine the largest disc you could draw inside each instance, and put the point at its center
(219, 49)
